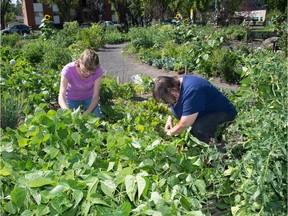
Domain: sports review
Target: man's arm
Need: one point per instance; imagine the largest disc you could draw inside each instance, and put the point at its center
(185, 121)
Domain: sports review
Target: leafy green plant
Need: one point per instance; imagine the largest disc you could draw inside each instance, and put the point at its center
(92, 38)
(55, 56)
(141, 38)
(221, 63)
(34, 52)
(47, 28)
(10, 40)
(113, 36)
(68, 35)
(13, 108)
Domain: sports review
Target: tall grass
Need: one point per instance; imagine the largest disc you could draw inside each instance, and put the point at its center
(13, 107)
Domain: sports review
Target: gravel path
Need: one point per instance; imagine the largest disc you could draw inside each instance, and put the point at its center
(115, 63)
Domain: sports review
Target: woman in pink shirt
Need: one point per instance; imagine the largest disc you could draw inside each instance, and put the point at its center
(80, 84)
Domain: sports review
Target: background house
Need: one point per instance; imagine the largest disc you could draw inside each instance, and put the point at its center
(33, 13)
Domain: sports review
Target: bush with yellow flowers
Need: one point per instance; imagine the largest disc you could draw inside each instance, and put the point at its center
(46, 26)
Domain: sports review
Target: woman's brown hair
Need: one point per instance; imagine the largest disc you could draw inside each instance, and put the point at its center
(90, 60)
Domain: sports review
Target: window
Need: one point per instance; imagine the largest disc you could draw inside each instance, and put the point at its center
(38, 14)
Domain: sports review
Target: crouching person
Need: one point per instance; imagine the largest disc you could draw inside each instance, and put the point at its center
(80, 84)
(195, 102)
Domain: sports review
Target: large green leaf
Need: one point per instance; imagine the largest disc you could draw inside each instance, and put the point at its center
(123, 173)
(141, 184)
(76, 136)
(92, 158)
(18, 196)
(131, 187)
(40, 181)
(108, 187)
(201, 186)
(123, 210)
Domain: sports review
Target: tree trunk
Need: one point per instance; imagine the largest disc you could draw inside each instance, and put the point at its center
(4, 8)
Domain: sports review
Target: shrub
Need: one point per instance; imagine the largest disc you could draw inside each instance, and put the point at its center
(33, 52)
(10, 40)
(68, 35)
(113, 36)
(92, 38)
(221, 63)
(12, 109)
(237, 33)
(55, 56)
(141, 38)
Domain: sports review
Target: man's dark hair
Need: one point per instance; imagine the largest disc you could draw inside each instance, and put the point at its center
(162, 87)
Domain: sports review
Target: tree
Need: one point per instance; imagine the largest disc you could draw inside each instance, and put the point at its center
(64, 6)
(280, 5)
(5, 6)
(18, 8)
(122, 10)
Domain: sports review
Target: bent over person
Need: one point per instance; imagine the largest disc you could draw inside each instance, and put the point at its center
(80, 84)
(195, 102)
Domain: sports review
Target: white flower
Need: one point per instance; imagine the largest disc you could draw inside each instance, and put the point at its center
(12, 62)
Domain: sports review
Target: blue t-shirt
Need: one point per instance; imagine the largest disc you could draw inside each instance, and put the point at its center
(199, 95)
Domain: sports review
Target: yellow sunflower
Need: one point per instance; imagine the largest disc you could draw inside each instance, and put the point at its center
(178, 16)
(186, 20)
(47, 17)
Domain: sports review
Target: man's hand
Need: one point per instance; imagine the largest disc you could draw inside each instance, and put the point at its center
(168, 132)
(169, 124)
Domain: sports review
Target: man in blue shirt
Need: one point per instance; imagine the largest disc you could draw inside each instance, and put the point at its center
(195, 102)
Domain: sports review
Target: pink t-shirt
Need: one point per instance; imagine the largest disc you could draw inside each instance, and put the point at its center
(78, 88)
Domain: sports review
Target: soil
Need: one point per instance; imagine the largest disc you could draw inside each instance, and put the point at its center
(123, 66)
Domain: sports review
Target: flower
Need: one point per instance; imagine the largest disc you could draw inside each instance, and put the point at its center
(178, 16)
(186, 20)
(12, 62)
(47, 17)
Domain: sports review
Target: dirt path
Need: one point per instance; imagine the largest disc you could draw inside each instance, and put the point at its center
(114, 63)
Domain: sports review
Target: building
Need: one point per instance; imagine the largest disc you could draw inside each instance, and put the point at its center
(252, 11)
(33, 12)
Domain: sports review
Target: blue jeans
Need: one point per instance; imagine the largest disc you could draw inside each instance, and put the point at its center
(74, 104)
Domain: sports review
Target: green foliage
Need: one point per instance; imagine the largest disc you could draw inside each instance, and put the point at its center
(92, 38)
(237, 32)
(55, 56)
(141, 37)
(12, 109)
(61, 162)
(49, 54)
(262, 130)
(47, 28)
(10, 40)
(282, 43)
(113, 36)
(68, 35)
(275, 18)
(221, 63)
(34, 52)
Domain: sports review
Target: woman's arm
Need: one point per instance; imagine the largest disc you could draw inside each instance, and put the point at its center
(62, 93)
(95, 97)
(185, 121)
